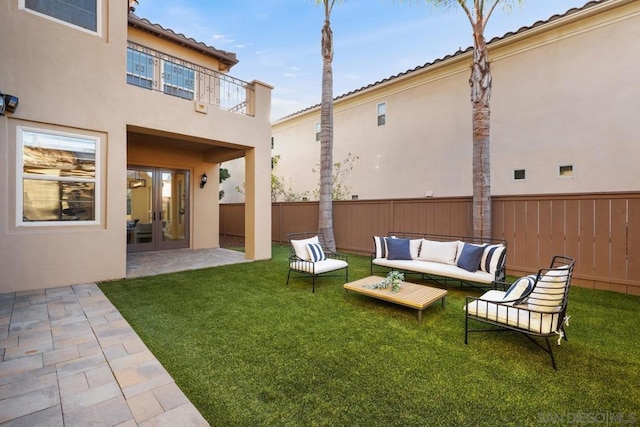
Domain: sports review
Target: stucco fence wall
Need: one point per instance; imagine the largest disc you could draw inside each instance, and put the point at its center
(601, 231)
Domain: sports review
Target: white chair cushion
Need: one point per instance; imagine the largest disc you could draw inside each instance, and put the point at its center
(516, 316)
(325, 266)
(548, 294)
(300, 247)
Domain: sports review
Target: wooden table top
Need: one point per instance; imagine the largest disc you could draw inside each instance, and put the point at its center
(410, 294)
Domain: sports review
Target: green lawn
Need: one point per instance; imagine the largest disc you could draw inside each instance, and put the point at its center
(248, 350)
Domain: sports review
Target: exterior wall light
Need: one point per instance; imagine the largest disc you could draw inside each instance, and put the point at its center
(203, 180)
(8, 103)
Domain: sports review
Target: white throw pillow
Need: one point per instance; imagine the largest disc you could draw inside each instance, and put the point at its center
(442, 252)
(300, 247)
(414, 248)
(549, 292)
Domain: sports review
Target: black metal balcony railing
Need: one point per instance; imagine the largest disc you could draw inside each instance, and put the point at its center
(154, 70)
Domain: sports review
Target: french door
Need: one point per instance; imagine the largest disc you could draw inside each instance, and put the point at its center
(157, 209)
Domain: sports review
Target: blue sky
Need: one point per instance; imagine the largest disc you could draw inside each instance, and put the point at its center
(278, 41)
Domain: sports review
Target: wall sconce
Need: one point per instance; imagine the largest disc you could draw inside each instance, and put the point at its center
(8, 103)
(203, 180)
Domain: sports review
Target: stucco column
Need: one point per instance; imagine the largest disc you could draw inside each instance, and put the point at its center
(257, 207)
(258, 180)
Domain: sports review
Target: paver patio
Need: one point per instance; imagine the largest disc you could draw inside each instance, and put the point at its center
(69, 358)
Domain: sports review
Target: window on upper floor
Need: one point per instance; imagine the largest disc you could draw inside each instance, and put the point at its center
(58, 177)
(382, 113)
(318, 131)
(79, 13)
(139, 68)
(178, 80)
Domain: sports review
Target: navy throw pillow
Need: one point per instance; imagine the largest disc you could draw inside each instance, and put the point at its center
(398, 249)
(470, 257)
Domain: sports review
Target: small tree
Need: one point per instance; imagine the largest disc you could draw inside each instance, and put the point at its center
(224, 174)
(341, 171)
(278, 188)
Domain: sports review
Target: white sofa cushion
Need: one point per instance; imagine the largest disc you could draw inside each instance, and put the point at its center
(300, 247)
(443, 252)
(437, 269)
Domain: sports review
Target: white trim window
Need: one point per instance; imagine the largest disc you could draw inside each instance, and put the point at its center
(382, 113)
(57, 178)
(140, 68)
(318, 131)
(178, 80)
(82, 14)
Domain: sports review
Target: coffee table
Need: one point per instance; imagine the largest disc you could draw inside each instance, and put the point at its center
(410, 295)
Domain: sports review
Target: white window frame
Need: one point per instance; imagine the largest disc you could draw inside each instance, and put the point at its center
(166, 83)
(383, 114)
(98, 31)
(20, 175)
(150, 59)
(318, 131)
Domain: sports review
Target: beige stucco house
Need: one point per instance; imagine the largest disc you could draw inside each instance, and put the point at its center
(119, 121)
(564, 117)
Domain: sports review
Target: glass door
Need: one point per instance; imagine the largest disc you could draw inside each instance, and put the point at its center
(157, 209)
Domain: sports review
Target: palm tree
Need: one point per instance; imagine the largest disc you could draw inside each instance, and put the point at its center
(325, 217)
(479, 12)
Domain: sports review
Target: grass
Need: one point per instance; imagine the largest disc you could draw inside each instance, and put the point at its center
(248, 350)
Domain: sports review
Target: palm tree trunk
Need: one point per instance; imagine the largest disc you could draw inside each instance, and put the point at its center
(325, 223)
(480, 82)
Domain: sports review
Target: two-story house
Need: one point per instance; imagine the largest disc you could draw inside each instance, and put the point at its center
(116, 141)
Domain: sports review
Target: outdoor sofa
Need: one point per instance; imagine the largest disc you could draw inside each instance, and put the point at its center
(472, 261)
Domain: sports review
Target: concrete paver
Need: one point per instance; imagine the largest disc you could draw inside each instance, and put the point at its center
(69, 358)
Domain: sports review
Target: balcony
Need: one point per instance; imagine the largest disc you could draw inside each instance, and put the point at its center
(153, 70)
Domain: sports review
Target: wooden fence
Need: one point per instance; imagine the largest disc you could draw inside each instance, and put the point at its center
(601, 231)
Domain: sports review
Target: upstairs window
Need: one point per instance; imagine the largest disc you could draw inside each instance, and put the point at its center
(382, 113)
(57, 177)
(318, 131)
(139, 68)
(178, 80)
(80, 13)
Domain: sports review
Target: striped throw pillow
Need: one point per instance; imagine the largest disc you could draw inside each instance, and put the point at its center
(381, 246)
(315, 252)
(493, 258)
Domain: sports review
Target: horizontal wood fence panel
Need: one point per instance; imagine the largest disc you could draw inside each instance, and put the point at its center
(601, 231)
